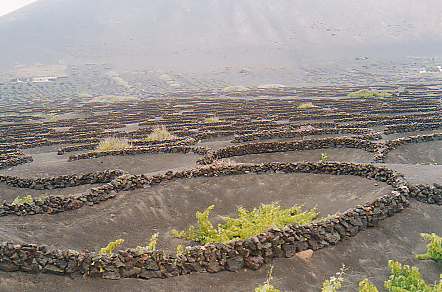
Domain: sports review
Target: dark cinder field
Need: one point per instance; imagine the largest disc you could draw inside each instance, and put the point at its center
(135, 215)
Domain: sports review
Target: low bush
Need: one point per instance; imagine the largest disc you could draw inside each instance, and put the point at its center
(153, 241)
(111, 246)
(366, 286)
(112, 144)
(267, 286)
(434, 247)
(306, 105)
(213, 120)
(366, 93)
(160, 134)
(246, 225)
(405, 278)
(21, 200)
(324, 157)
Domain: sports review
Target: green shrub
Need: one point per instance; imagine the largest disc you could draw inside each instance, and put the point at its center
(180, 250)
(366, 93)
(21, 200)
(246, 225)
(160, 134)
(405, 278)
(213, 120)
(366, 286)
(267, 286)
(111, 246)
(152, 244)
(335, 282)
(324, 157)
(113, 144)
(306, 105)
(434, 247)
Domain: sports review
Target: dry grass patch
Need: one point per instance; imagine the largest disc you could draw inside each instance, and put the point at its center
(112, 144)
(160, 134)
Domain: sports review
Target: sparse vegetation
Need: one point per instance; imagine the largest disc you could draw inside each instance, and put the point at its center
(267, 286)
(406, 278)
(324, 157)
(335, 282)
(247, 223)
(111, 246)
(434, 247)
(159, 134)
(213, 120)
(180, 250)
(366, 286)
(366, 93)
(113, 144)
(113, 99)
(306, 105)
(153, 241)
(21, 200)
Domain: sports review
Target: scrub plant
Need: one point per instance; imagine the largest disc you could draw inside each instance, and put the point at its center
(21, 200)
(159, 134)
(434, 247)
(111, 246)
(113, 144)
(247, 223)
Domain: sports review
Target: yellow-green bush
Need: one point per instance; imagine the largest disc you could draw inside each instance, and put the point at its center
(404, 278)
(213, 120)
(153, 241)
(112, 144)
(434, 247)
(366, 286)
(247, 223)
(306, 105)
(21, 200)
(111, 246)
(366, 93)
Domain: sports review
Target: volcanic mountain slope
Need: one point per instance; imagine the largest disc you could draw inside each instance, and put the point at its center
(201, 33)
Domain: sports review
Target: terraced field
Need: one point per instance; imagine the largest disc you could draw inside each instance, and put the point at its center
(370, 166)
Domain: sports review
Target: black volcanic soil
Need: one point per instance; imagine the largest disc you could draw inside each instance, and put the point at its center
(334, 154)
(9, 193)
(419, 174)
(365, 255)
(138, 214)
(420, 153)
(48, 163)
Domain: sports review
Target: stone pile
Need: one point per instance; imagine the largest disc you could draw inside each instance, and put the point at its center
(430, 194)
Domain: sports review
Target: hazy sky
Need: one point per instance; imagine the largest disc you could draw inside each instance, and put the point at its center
(7, 6)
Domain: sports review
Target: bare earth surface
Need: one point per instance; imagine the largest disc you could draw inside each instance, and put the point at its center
(422, 153)
(334, 154)
(50, 164)
(136, 215)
